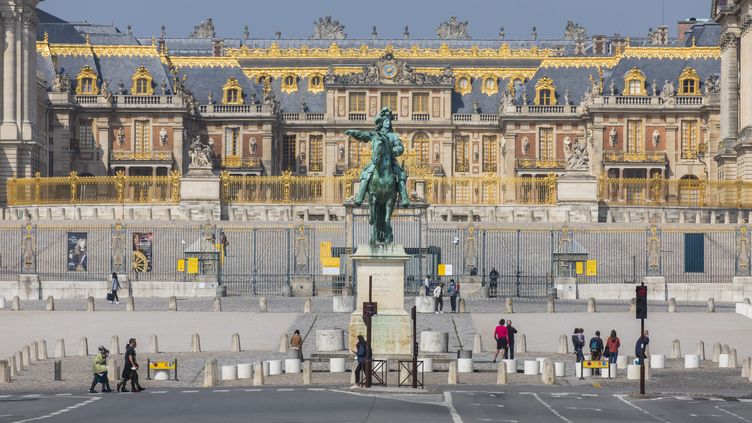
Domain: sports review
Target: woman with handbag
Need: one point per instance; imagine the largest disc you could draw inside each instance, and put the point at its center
(115, 285)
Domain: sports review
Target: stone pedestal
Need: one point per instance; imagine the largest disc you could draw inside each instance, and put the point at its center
(391, 330)
(656, 287)
(469, 286)
(199, 195)
(302, 286)
(577, 186)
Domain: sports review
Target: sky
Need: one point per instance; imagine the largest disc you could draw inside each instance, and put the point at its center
(294, 18)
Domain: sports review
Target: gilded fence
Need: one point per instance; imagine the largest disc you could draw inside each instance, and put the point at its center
(658, 191)
(74, 189)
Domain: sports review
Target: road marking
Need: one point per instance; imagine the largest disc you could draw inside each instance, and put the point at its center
(490, 405)
(705, 415)
(497, 420)
(732, 414)
(646, 412)
(189, 392)
(584, 408)
(5, 396)
(158, 392)
(285, 389)
(452, 411)
(745, 399)
(61, 411)
(316, 389)
(32, 396)
(221, 390)
(683, 398)
(63, 395)
(716, 399)
(253, 390)
(547, 405)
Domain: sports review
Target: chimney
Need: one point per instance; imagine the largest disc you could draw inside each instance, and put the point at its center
(659, 37)
(217, 44)
(684, 27)
(579, 47)
(599, 44)
(619, 44)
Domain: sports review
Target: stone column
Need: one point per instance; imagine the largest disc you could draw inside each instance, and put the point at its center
(729, 86)
(9, 130)
(28, 75)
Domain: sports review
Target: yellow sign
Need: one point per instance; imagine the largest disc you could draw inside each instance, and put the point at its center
(578, 268)
(445, 270)
(192, 265)
(161, 365)
(325, 250)
(591, 268)
(592, 364)
(181, 265)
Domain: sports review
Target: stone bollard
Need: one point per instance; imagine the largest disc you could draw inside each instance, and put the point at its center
(153, 344)
(550, 305)
(195, 343)
(130, 304)
(307, 373)
(590, 305)
(352, 370)
(114, 345)
(43, 350)
(745, 367)
(672, 305)
(711, 305)
(83, 347)
(13, 364)
(235, 342)
(2, 302)
(307, 306)
(26, 357)
(50, 303)
(632, 306)
(16, 304)
(211, 373)
(510, 306)
(60, 348)
(477, 344)
(563, 344)
(173, 304)
(4, 371)
(461, 305)
(34, 351)
(732, 358)
(262, 305)
(452, 376)
(521, 344)
(58, 371)
(548, 372)
(676, 349)
(746, 301)
(725, 349)
(258, 374)
(284, 343)
(19, 361)
(716, 352)
(217, 304)
(90, 304)
(501, 373)
(113, 370)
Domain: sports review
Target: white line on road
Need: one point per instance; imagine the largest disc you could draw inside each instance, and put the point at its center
(189, 392)
(64, 410)
(704, 415)
(547, 405)
(5, 396)
(646, 412)
(497, 420)
(490, 405)
(63, 395)
(452, 411)
(158, 392)
(584, 408)
(316, 389)
(221, 390)
(253, 390)
(285, 390)
(732, 414)
(32, 396)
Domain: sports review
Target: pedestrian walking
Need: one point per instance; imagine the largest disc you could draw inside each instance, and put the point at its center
(641, 347)
(501, 335)
(453, 292)
(596, 348)
(578, 344)
(360, 353)
(427, 285)
(438, 294)
(511, 331)
(612, 347)
(130, 369)
(296, 343)
(225, 243)
(99, 368)
(494, 276)
(114, 287)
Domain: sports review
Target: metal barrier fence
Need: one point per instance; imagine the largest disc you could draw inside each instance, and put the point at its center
(261, 260)
(658, 191)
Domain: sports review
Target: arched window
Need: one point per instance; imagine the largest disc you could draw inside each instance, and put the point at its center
(232, 92)
(422, 147)
(545, 92)
(463, 84)
(316, 83)
(87, 82)
(689, 82)
(490, 86)
(689, 190)
(634, 82)
(142, 82)
(289, 83)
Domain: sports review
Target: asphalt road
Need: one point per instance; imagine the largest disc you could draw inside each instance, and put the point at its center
(333, 405)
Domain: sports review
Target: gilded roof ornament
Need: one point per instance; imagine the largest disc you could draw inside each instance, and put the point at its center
(327, 28)
(203, 30)
(453, 30)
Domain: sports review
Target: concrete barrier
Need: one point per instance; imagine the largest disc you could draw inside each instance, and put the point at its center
(130, 304)
(672, 305)
(275, 367)
(723, 360)
(427, 364)
(235, 343)
(511, 365)
(701, 350)
(563, 344)
(307, 306)
(172, 304)
(425, 304)
(292, 365)
(83, 346)
(258, 374)
(284, 343)
(229, 372)
(245, 371)
(622, 361)
(153, 344)
(90, 304)
(532, 367)
(550, 305)
(4, 371)
(560, 369)
(34, 351)
(548, 374)
(582, 372)
(732, 358)
(452, 374)
(217, 304)
(501, 373)
(632, 306)
(2, 302)
(461, 305)
(658, 361)
(60, 348)
(42, 350)
(113, 370)
(691, 361)
(676, 349)
(211, 376)
(520, 344)
(343, 304)
(263, 308)
(711, 305)
(50, 303)
(114, 345)
(16, 304)
(307, 373)
(336, 365)
(330, 340)
(716, 352)
(477, 344)
(25, 355)
(591, 305)
(509, 306)
(633, 372)
(58, 371)
(745, 367)
(434, 342)
(464, 365)
(540, 363)
(725, 349)
(195, 343)
(13, 364)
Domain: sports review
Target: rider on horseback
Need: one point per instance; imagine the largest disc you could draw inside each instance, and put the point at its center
(384, 130)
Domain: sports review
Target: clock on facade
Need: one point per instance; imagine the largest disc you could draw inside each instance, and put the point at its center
(389, 70)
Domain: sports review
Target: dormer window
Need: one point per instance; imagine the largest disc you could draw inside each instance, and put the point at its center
(87, 82)
(689, 82)
(634, 83)
(316, 83)
(463, 85)
(232, 92)
(289, 83)
(545, 92)
(142, 82)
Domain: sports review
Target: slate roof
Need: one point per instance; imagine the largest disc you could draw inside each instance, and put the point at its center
(115, 69)
(574, 80)
(660, 70)
(705, 34)
(202, 80)
(58, 30)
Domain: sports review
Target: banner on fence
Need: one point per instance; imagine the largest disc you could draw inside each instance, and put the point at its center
(77, 249)
(445, 270)
(591, 268)
(142, 251)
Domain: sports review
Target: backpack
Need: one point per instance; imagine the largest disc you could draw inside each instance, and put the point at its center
(594, 344)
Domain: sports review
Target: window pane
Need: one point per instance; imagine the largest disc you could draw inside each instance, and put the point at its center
(489, 153)
(420, 103)
(288, 152)
(232, 142)
(85, 135)
(357, 102)
(316, 147)
(694, 253)
(421, 145)
(389, 100)
(634, 136)
(461, 162)
(143, 139)
(546, 143)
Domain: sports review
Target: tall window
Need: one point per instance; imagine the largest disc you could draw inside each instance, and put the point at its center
(232, 142)
(422, 147)
(689, 139)
(545, 97)
(461, 161)
(232, 95)
(143, 137)
(420, 103)
(389, 100)
(316, 148)
(87, 85)
(635, 87)
(85, 135)
(357, 102)
(688, 86)
(489, 153)
(288, 152)
(142, 86)
(634, 136)
(546, 143)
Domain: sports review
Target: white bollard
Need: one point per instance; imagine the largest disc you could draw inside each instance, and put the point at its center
(50, 303)
(732, 358)
(711, 305)
(560, 368)
(452, 374)
(60, 348)
(42, 350)
(262, 305)
(16, 304)
(34, 351)
(217, 304)
(701, 349)
(579, 371)
(292, 365)
(745, 367)
(464, 365)
(4, 371)
(548, 374)
(114, 345)
(509, 306)
(427, 364)
(658, 361)
(284, 343)
(532, 367)
(520, 345)
(83, 347)
(633, 372)
(153, 344)
(210, 373)
(477, 344)
(723, 361)
(716, 352)
(275, 367)
(540, 364)
(173, 304)
(245, 371)
(604, 372)
(591, 305)
(265, 368)
(307, 306)
(235, 342)
(691, 361)
(195, 343)
(511, 365)
(258, 374)
(229, 372)
(621, 361)
(90, 304)
(307, 373)
(501, 373)
(563, 344)
(676, 349)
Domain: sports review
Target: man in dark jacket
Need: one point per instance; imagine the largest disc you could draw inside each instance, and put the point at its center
(509, 352)
(641, 346)
(577, 344)
(596, 348)
(361, 350)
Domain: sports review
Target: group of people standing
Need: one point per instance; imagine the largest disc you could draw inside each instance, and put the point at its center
(452, 292)
(130, 370)
(608, 349)
(504, 336)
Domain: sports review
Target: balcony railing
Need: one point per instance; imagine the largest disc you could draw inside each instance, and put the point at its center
(477, 118)
(626, 157)
(141, 156)
(302, 117)
(675, 192)
(540, 164)
(420, 117)
(357, 116)
(240, 163)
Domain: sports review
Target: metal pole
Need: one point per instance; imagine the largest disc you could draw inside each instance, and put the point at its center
(642, 360)
(420, 249)
(414, 315)
(253, 282)
(288, 257)
(369, 351)
(517, 264)
(483, 261)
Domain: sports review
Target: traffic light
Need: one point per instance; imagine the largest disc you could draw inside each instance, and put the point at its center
(641, 302)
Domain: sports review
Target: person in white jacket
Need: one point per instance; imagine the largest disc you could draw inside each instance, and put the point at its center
(438, 294)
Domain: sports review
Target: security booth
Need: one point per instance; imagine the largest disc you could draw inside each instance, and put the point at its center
(201, 261)
(569, 258)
